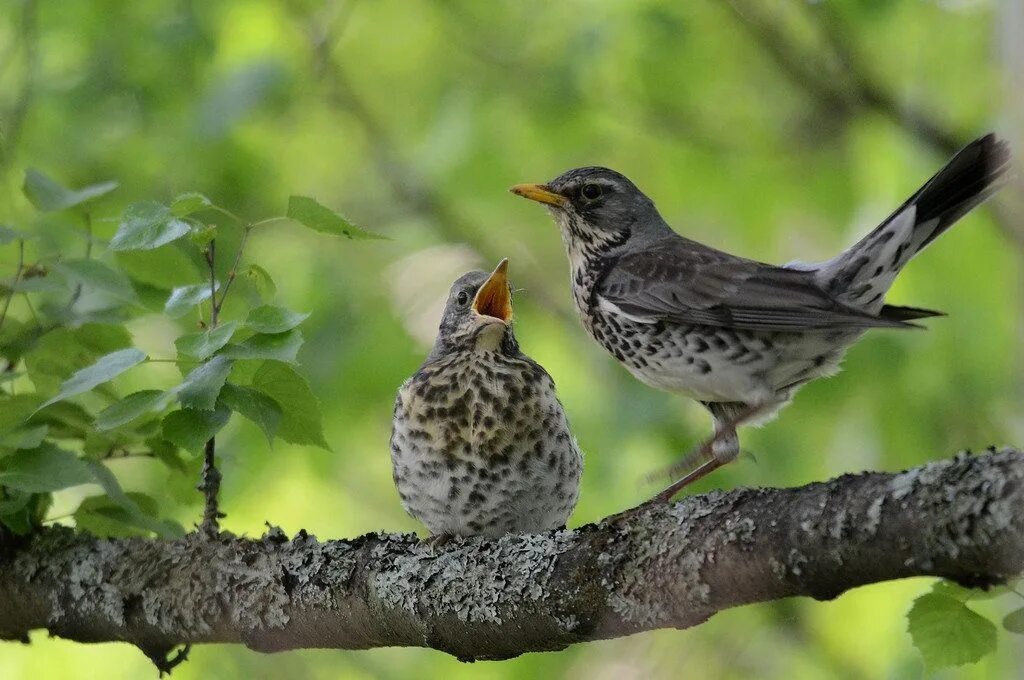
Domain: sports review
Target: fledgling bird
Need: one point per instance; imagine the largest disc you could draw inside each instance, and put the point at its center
(480, 443)
(738, 335)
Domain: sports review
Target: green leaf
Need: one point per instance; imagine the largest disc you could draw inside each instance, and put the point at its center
(47, 195)
(947, 632)
(320, 218)
(300, 409)
(166, 453)
(16, 409)
(202, 235)
(147, 225)
(261, 281)
(203, 345)
(271, 319)
(25, 438)
(279, 346)
(16, 501)
(946, 587)
(130, 408)
(162, 268)
(104, 370)
(66, 420)
(1014, 621)
(133, 514)
(184, 298)
(203, 383)
(191, 428)
(98, 276)
(46, 468)
(261, 409)
(61, 352)
(189, 203)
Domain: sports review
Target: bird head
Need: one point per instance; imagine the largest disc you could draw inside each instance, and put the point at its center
(597, 209)
(478, 314)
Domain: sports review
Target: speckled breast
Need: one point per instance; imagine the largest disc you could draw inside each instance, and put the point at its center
(481, 445)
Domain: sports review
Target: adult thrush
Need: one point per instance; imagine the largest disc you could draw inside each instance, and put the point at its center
(738, 335)
(480, 443)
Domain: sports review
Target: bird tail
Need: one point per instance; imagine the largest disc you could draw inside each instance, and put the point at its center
(860, 276)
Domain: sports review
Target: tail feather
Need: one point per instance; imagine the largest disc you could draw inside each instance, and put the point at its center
(860, 276)
(897, 313)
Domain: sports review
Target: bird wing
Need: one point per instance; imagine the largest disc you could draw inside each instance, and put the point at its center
(685, 282)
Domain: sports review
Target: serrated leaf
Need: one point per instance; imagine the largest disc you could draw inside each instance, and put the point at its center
(98, 276)
(260, 408)
(47, 195)
(279, 346)
(189, 203)
(201, 386)
(271, 319)
(300, 409)
(147, 225)
(131, 407)
(184, 298)
(261, 281)
(954, 590)
(134, 514)
(205, 344)
(947, 632)
(1014, 621)
(104, 370)
(43, 469)
(309, 212)
(191, 428)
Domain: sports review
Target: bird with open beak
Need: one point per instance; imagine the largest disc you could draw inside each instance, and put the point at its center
(738, 335)
(480, 444)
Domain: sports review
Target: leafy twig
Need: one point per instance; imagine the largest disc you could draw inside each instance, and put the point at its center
(17, 278)
(209, 484)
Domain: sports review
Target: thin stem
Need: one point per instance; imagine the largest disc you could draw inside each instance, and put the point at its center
(210, 486)
(225, 211)
(269, 220)
(232, 274)
(87, 222)
(17, 279)
(211, 258)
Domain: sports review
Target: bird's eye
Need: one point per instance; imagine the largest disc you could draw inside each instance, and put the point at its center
(463, 298)
(590, 191)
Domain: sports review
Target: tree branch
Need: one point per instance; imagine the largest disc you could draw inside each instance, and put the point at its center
(672, 566)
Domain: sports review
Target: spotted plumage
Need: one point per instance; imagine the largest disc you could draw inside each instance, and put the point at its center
(480, 443)
(738, 335)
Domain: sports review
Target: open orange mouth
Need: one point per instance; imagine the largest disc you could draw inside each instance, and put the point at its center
(541, 193)
(494, 298)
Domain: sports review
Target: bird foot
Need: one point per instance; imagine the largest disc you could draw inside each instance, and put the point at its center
(436, 541)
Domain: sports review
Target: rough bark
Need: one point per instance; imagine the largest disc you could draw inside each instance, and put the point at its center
(668, 566)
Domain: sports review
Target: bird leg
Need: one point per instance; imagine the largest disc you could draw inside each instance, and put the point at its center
(720, 449)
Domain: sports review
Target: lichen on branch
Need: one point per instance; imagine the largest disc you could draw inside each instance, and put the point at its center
(664, 566)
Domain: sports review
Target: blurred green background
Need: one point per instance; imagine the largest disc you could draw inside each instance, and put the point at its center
(774, 130)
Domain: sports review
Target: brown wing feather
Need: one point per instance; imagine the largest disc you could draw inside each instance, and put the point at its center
(684, 282)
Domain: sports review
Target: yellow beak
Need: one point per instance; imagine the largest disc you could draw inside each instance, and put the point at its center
(494, 298)
(541, 193)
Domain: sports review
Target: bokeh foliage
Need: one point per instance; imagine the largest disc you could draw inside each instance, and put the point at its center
(413, 118)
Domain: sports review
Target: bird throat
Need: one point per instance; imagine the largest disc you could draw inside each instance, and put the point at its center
(489, 338)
